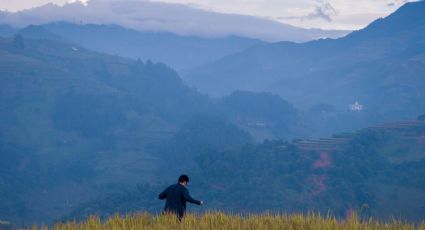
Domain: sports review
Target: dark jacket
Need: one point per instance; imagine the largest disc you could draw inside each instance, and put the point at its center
(176, 196)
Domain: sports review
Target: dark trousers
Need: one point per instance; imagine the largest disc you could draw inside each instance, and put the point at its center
(179, 214)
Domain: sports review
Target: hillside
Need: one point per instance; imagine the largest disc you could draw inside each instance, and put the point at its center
(359, 171)
(380, 66)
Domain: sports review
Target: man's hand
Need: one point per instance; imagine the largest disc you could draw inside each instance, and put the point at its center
(202, 202)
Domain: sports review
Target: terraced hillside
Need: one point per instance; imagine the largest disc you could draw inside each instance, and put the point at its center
(408, 130)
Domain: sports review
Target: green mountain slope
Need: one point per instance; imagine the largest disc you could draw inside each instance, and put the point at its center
(76, 123)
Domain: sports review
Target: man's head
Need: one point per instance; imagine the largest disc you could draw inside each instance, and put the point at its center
(183, 180)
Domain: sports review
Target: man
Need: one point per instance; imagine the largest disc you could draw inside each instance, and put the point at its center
(176, 196)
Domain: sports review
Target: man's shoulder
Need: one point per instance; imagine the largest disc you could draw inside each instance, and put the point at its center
(174, 186)
(177, 187)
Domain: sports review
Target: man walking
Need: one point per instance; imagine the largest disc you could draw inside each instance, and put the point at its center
(176, 196)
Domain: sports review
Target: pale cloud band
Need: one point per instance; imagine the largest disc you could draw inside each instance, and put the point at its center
(325, 14)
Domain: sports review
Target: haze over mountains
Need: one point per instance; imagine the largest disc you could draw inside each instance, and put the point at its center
(164, 17)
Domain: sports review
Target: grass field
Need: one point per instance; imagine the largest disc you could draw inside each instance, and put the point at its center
(226, 221)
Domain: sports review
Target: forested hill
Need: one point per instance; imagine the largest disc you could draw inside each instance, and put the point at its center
(72, 119)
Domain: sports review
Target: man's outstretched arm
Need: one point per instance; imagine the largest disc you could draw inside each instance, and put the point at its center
(163, 194)
(188, 198)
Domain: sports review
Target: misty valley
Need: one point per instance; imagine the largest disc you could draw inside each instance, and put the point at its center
(97, 119)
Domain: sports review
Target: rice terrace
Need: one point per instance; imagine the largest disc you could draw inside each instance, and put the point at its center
(226, 221)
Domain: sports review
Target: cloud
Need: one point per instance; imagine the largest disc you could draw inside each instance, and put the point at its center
(397, 3)
(325, 14)
(84, 2)
(324, 11)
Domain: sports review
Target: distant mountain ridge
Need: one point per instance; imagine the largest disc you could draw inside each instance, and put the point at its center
(381, 65)
(6, 30)
(38, 32)
(165, 17)
(181, 52)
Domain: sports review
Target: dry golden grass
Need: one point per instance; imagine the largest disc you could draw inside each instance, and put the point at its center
(225, 221)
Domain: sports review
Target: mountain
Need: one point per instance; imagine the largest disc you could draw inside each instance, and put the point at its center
(263, 115)
(181, 52)
(6, 30)
(380, 66)
(165, 17)
(38, 32)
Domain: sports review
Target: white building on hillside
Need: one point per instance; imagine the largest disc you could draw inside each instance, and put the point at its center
(356, 106)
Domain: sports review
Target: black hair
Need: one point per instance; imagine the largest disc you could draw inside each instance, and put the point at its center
(183, 178)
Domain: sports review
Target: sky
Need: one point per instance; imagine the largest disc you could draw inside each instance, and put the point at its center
(325, 14)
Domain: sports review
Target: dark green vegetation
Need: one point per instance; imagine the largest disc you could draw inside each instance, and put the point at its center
(279, 176)
(381, 66)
